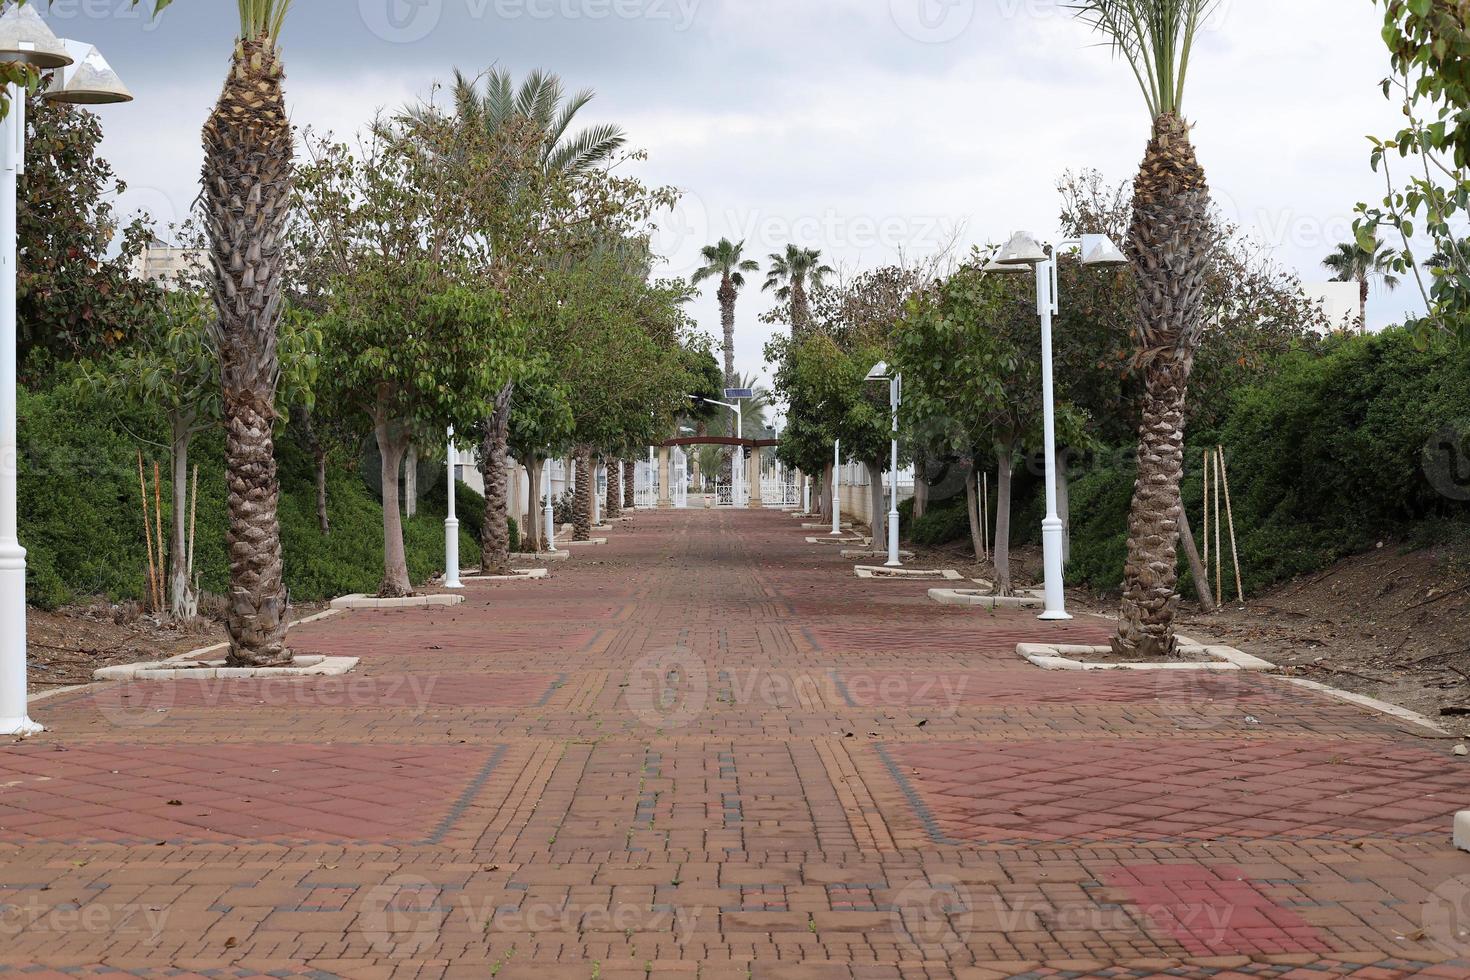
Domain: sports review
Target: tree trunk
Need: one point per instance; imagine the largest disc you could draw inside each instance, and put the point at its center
(246, 181)
(614, 489)
(921, 488)
(826, 503)
(495, 468)
(392, 443)
(630, 477)
(313, 439)
(183, 603)
(1362, 304)
(1151, 575)
(727, 322)
(1170, 243)
(972, 505)
(582, 501)
(1196, 567)
(1064, 504)
(879, 523)
(1001, 553)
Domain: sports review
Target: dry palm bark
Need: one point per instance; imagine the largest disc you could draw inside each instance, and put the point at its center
(246, 191)
(1170, 244)
(495, 469)
(630, 475)
(614, 489)
(582, 499)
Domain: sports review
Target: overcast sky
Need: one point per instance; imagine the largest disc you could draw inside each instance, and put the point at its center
(866, 128)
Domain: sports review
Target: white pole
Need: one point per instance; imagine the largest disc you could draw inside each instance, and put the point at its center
(14, 719)
(652, 472)
(740, 490)
(836, 487)
(451, 528)
(596, 497)
(549, 517)
(1052, 532)
(893, 396)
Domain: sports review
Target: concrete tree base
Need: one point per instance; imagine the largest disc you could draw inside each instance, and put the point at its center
(540, 555)
(826, 527)
(585, 544)
(943, 574)
(1061, 656)
(865, 553)
(983, 600)
(1462, 830)
(176, 670)
(517, 575)
(362, 601)
(831, 540)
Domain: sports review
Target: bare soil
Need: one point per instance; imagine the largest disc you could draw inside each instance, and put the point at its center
(66, 645)
(1393, 624)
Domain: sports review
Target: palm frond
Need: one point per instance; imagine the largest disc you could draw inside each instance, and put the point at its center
(1155, 37)
(590, 147)
(262, 19)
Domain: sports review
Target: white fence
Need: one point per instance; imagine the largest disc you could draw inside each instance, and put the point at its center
(779, 492)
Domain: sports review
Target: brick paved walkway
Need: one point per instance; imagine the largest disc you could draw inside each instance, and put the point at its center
(708, 749)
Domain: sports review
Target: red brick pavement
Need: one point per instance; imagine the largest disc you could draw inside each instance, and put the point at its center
(710, 750)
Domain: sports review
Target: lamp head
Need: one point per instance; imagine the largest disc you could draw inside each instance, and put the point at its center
(996, 267)
(880, 372)
(89, 80)
(1099, 250)
(1022, 249)
(24, 37)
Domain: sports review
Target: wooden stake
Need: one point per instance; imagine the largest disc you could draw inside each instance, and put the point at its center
(193, 513)
(1230, 515)
(158, 530)
(1219, 577)
(147, 530)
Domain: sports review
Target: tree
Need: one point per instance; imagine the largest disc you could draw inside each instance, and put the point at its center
(247, 178)
(75, 296)
(1427, 40)
(1170, 241)
(792, 276)
(1351, 262)
(725, 261)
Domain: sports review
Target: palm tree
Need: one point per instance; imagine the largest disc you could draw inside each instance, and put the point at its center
(247, 190)
(1169, 244)
(725, 260)
(791, 275)
(1353, 263)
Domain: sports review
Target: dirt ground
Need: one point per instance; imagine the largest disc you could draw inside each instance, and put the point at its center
(66, 645)
(1393, 624)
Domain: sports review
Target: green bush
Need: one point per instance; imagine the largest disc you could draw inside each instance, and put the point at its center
(940, 525)
(1328, 454)
(81, 518)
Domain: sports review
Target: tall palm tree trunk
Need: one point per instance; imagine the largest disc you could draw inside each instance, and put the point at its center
(630, 491)
(495, 468)
(614, 490)
(582, 499)
(1170, 244)
(246, 190)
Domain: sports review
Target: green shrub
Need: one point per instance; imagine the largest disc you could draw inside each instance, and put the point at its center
(1326, 455)
(82, 525)
(940, 525)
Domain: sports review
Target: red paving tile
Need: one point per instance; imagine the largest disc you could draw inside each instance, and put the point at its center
(710, 750)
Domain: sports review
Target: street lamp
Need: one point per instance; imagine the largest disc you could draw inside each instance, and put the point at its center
(881, 372)
(836, 488)
(549, 514)
(451, 528)
(83, 78)
(1021, 251)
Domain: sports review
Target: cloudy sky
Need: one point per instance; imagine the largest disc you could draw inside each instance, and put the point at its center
(866, 128)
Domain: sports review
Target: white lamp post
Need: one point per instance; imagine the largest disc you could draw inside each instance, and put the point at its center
(82, 77)
(836, 488)
(549, 515)
(881, 372)
(1024, 250)
(736, 480)
(451, 528)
